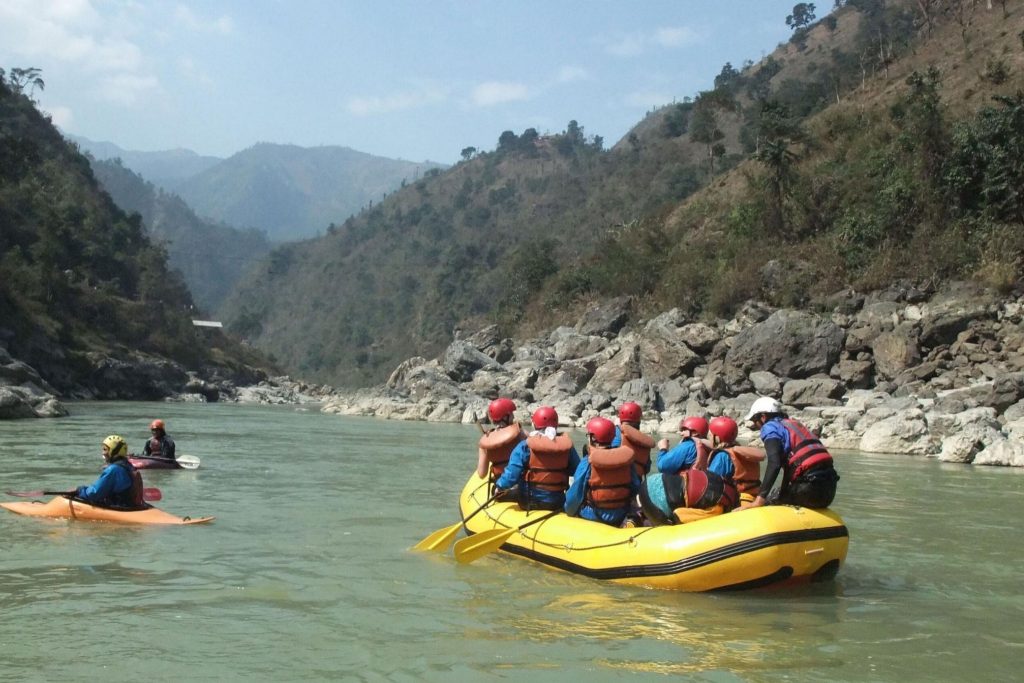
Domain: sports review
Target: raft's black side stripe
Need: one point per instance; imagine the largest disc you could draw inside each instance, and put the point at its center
(685, 564)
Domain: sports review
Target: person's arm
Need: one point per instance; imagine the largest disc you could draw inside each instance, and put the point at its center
(776, 453)
(680, 457)
(481, 463)
(168, 447)
(635, 483)
(516, 464)
(102, 488)
(574, 496)
(147, 450)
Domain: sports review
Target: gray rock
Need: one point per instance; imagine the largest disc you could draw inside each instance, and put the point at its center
(461, 360)
(789, 344)
(766, 383)
(605, 319)
(812, 392)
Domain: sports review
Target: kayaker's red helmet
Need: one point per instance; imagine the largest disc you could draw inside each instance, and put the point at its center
(601, 430)
(501, 409)
(114, 447)
(544, 417)
(630, 412)
(696, 424)
(724, 428)
(155, 425)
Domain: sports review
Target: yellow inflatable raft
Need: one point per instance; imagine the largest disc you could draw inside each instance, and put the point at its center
(742, 549)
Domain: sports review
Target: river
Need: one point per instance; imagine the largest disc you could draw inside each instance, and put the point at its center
(306, 574)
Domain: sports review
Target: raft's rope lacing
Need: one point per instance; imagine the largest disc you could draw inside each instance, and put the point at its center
(568, 547)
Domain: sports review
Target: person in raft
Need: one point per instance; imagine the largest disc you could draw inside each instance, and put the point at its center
(691, 449)
(628, 434)
(740, 465)
(159, 445)
(606, 480)
(541, 465)
(496, 446)
(689, 496)
(809, 478)
(120, 484)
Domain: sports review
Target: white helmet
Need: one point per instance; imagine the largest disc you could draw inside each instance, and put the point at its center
(765, 404)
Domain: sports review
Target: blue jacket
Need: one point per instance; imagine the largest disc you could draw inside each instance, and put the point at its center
(617, 441)
(512, 477)
(680, 458)
(112, 488)
(575, 498)
(720, 463)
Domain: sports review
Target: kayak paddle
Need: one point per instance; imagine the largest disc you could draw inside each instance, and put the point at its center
(189, 462)
(148, 494)
(478, 545)
(440, 540)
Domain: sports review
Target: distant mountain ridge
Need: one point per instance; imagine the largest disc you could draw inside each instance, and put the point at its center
(293, 192)
(163, 168)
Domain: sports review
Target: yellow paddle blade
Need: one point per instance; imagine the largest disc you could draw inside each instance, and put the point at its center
(476, 546)
(440, 539)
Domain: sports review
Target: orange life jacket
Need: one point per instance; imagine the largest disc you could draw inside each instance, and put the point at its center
(611, 477)
(640, 444)
(746, 464)
(805, 449)
(498, 445)
(548, 467)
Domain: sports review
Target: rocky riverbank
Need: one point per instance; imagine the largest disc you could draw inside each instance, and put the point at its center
(903, 370)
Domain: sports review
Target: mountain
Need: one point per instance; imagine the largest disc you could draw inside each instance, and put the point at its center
(86, 297)
(293, 192)
(877, 145)
(210, 256)
(163, 168)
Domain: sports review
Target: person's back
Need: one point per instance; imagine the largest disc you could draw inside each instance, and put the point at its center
(628, 435)
(686, 497)
(606, 480)
(691, 451)
(495, 447)
(541, 465)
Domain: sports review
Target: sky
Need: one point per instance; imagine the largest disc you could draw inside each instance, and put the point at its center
(409, 79)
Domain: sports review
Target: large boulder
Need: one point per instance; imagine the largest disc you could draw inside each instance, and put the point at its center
(791, 344)
(905, 433)
(951, 311)
(462, 359)
(606, 318)
(895, 351)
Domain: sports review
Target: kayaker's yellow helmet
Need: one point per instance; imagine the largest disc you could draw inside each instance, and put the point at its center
(116, 447)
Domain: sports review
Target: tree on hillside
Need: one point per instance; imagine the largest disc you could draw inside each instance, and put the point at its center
(468, 153)
(704, 129)
(20, 78)
(803, 14)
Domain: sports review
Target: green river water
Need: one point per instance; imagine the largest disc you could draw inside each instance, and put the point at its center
(306, 574)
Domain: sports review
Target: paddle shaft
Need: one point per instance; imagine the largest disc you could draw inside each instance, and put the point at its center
(150, 493)
(441, 539)
(474, 547)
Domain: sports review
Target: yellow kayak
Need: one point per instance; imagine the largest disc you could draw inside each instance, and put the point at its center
(66, 508)
(738, 550)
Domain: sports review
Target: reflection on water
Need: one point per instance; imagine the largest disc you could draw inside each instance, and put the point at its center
(307, 574)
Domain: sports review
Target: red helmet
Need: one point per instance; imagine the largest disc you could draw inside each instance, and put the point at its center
(630, 412)
(697, 425)
(602, 429)
(501, 409)
(724, 428)
(156, 424)
(545, 416)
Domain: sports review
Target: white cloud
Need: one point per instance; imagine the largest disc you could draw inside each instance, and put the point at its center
(498, 92)
(568, 74)
(62, 117)
(675, 36)
(376, 104)
(187, 18)
(665, 37)
(127, 88)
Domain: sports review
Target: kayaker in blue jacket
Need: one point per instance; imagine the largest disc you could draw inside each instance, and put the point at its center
(605, 481)
(119, 485)
(541, 465)
(684, 454)
(159, 445)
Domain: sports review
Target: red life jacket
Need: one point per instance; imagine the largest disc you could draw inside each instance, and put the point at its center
(805, 449)
(704, 490)
(640, 444)
(548, 467)
(611, 477)
(132, 498)
(498, 445)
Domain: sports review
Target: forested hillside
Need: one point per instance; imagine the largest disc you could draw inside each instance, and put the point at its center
(881, 143)
(292, 192)
(210, 256)
(80, 281)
